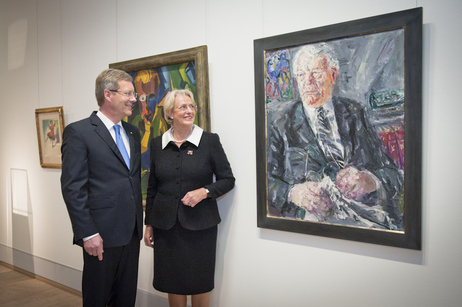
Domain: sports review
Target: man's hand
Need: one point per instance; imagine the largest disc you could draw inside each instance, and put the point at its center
(308, 195)
(353, 183)
(94, 247)
(149, 236)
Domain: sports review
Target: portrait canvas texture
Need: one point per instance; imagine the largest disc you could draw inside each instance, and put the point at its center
(367, 112)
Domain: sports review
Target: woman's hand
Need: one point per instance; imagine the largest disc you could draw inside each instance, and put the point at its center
(192, 198)
(149, 236)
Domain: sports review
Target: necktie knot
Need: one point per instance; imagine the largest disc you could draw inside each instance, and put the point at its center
(121, 145)
(322, 119)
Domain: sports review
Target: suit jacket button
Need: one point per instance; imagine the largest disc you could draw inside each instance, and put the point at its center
(133, 197)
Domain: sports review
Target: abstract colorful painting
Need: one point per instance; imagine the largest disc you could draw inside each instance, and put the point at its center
(153, 78)
(152, 86)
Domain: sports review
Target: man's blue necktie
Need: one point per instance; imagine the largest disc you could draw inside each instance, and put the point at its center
(121, 145)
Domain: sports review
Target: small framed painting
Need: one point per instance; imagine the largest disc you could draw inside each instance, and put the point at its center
(50, 126)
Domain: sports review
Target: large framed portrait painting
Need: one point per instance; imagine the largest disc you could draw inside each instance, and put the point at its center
(338, 114)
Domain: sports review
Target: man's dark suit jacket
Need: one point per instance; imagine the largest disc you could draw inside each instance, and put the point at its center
(101, 194)
(176, 171)
(295, 156)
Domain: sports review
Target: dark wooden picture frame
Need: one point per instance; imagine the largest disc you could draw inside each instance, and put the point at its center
(154, 77)
(50, 127)
(407, 102)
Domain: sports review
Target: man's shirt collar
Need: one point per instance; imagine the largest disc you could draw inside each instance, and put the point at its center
(106, 121)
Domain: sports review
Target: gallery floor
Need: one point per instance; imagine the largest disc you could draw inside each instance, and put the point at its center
(22, 289)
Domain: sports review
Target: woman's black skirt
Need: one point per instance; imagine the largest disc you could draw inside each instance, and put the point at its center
(184, 260)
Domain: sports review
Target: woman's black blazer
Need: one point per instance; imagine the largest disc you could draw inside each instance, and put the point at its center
(175, 171)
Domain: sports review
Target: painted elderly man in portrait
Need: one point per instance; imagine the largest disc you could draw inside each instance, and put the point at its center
(325, 160)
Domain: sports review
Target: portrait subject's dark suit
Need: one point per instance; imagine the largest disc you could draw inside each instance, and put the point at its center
(101, 194)
(295, 156)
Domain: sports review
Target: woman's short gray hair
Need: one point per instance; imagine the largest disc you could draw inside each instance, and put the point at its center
(169, 103)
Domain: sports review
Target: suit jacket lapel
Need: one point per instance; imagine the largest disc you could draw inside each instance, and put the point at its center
(103, 132)
(343, 118)
(301, 126)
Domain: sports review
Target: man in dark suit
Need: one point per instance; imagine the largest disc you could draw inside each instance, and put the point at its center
(325, 160)
(101, 187)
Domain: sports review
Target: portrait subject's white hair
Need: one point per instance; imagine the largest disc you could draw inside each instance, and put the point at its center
(314, 50)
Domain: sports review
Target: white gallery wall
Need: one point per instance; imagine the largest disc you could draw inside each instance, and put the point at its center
(50, 54)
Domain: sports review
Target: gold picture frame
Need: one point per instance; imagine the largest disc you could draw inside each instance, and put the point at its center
(198, 55)
(50, 126)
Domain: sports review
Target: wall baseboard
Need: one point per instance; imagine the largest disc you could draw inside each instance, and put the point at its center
(42, 268)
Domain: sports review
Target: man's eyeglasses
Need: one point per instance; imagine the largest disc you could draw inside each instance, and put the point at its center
(191, 106)
(127, 94)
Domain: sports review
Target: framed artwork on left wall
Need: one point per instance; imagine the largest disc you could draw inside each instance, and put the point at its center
(50, 126)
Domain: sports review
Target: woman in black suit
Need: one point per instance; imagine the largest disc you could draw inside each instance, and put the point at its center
(181, 204)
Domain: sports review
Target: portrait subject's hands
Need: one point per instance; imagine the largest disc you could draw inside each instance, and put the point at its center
(353, 183)
(192, 198)
(308, 195)
(94, 247)
(149, 236)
